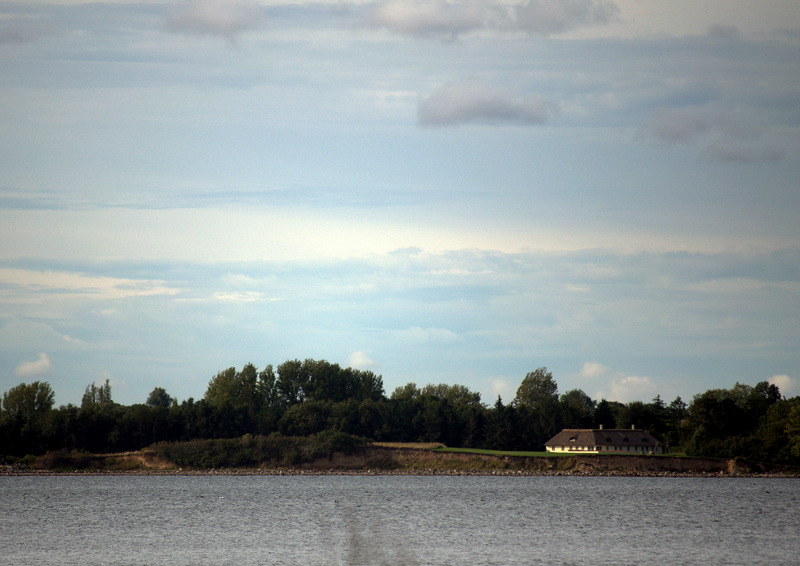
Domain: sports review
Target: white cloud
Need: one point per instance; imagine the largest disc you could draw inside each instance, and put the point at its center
(592, 370)
(239, 296)
(441, 19)
(787, 385)
(430, 334)
(36, 368)
(499, 386)
(627, 388)
(471, 100)
(222, 18)
(426, 19)
(361, 360)
(29, 282)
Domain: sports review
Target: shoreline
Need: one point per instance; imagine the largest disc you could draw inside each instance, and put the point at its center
(408, 461)
(297, 472)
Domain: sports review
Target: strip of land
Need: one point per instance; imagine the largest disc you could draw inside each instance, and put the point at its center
(416, 459)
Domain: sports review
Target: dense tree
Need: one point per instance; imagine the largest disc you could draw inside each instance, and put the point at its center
(25, 418)
(97, 395)
(537, 405)
(318, 398)
(577, 409)
(407, 391)
(291, 383)
(605, 413)
(237, 389)
(538, 391)
(456, 395)
(159, 398)
(26, 401)
(501, 427)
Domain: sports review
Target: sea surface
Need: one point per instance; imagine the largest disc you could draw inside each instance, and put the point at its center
(300, 520)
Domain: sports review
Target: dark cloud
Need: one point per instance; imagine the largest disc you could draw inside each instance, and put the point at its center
(19, 30)
(546, 17)
(723, 136)
(473, 101)
(675, 126)
(222, 18)
(720, 31)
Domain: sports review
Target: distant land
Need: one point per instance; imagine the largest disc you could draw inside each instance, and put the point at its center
(405, 458)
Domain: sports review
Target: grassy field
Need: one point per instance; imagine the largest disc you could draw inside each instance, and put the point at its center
(410, 445)
(499, 452)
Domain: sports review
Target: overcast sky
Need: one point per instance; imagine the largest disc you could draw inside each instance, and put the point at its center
(440, 192)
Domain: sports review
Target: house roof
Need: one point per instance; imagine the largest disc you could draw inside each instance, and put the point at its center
(602, 437)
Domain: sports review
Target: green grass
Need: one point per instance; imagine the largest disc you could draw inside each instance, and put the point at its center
(500, 452)
(545, 454)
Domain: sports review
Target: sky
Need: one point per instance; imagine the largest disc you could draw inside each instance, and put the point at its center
(440, 192)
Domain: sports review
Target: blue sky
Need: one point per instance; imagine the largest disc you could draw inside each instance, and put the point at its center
(440, 192)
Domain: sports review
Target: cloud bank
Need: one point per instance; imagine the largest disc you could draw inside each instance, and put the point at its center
(449, 20)
(471, 100)
(723, 136)
(37, 368)
(222, 18)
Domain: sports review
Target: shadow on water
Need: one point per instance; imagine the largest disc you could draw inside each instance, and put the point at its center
(369, 541)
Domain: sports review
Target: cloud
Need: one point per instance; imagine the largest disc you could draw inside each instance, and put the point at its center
(547, 17)
(19, 30)
(441, 19)
(473, 101)
(723, 136)
(36, 368)
(419, 334)
(239, 296)
(591, 370)
(619, 386)
(720, 31)
(222, 18)
(361, 360)
(426, 19)
(499, 386)
(675, 126)
(787, 385)
(29, 285)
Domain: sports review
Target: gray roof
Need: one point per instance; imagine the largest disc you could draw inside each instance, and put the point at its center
(602, 437)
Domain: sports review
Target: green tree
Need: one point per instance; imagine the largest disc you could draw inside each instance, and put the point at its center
(537, 404)
(291, 383)
(457, 395)
(604, 415)
(407, 391)
(538, 391)
(97, 395)
(26, 401)
(159, 398)
(238, 390)
(500, 427)
(25, 418)
(577, 409)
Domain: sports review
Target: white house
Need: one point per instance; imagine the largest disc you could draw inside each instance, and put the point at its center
(614, 440)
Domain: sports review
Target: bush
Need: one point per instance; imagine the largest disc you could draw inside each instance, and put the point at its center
(252, 451)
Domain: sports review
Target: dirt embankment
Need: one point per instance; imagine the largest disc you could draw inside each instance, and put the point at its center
(377, 460)
(406, 460)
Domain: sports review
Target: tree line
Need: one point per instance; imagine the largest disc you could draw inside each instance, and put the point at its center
(313, 397)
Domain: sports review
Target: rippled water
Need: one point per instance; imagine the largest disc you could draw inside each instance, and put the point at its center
(173, 520)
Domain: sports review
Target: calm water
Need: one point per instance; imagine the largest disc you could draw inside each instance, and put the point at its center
(397, 520)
